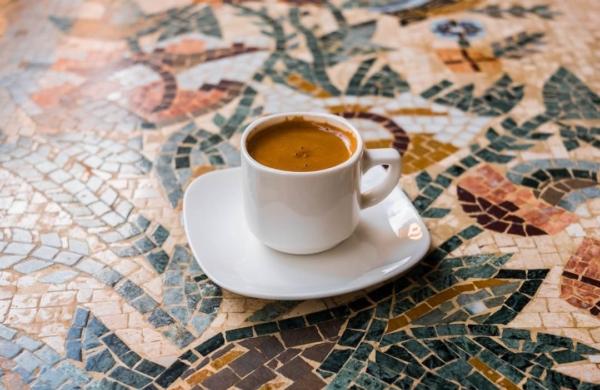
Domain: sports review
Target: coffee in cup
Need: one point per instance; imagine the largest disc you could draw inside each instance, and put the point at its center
(301, 180)
(299, 145)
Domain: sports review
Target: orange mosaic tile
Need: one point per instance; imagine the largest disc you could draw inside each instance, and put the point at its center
(469, 60)
(580, 280)
(424, 151)
(506, 206)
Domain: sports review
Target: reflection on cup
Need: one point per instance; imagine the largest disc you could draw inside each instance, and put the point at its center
(415, 232)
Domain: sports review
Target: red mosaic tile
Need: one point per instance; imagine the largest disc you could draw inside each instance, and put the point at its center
(580, 281)
(501, 206)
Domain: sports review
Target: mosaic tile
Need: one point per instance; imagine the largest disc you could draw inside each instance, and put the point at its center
(574, 136)
(109, 117)
(508, 210)
(543, 11)
(563, 183)
(579, 278)
(519, 45)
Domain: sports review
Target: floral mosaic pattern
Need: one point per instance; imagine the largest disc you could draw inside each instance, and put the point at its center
(111, 108)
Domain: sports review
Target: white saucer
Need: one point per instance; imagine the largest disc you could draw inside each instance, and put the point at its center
(390, 238)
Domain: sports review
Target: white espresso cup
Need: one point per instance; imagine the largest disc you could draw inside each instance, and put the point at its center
(309, 212)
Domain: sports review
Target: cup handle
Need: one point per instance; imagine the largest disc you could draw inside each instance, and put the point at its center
(374, 157)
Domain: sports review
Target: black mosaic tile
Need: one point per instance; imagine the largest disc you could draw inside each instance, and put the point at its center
(424, 332)
(383, 309)
(401, 353)
(558, 341)
(376, 330)
(182, 162)
(130, 358)
(485, 330)
(266, 328)
(340, 311)
(502, 316)
(385, 368)
(149, 368)
(351, 338)
(360, 320)
(478, 381)
(518, 301)
(211, 344)
(239, 333)
(511, 274)
(319, 316)
(171, 373)
(359, 304)
(432, 381)
(336, 360)
(566, 356)
(515, 334)
(129, 377)
(291, 323)
(363, 351)
(451, 329)
(441, 350)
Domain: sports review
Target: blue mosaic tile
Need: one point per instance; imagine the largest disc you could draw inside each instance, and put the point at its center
(144, 304)
(172, 278)
(73, 373)
(45, 252)
(67, 258)
(180, 336)
(109, 276)
(100, 362)
(173, 296)
(47, 355)
(114, 343)
(73, 349)
(30, 266)
(6, 332)
(160, 235)
(95, 327)
(159, 318)
(9, 349)
(59, 277)
(129, 290)
(28, 343)
(90, 266)
(79, 246)
(74, 333)
(158, 260)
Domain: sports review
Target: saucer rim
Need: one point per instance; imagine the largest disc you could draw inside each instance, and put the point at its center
(297, 296)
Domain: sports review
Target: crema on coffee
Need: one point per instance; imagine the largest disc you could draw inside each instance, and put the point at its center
(300, 145)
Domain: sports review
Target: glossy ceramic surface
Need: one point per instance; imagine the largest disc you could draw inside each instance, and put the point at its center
(309, 212)
(389, 239)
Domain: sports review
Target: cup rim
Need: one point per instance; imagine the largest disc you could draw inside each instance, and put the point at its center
(326, 117)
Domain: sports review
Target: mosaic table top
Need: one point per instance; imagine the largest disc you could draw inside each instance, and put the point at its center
(110, 108)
